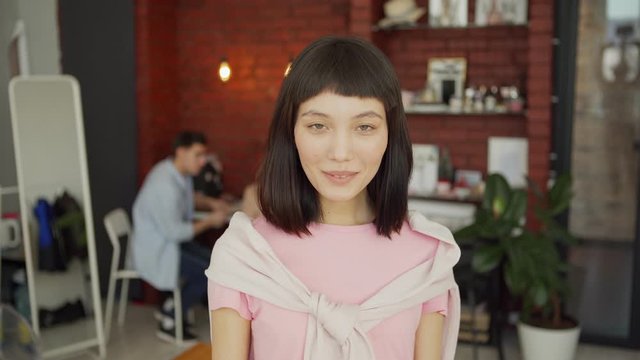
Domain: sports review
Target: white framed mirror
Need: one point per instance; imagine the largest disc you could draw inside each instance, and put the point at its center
(49, 142)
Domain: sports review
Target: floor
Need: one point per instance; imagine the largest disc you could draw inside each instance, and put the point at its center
(137, 340)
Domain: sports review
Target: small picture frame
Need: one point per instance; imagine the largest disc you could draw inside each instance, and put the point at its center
(448, 13)
(501, 12)
(446, 77)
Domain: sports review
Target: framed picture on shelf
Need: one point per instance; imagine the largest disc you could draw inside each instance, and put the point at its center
(447, 13)
(446, 78)
(501, 12)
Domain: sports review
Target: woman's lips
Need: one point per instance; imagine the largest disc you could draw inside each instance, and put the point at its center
(340, 177)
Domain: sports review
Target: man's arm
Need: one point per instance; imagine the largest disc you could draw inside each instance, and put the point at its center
(206, 203)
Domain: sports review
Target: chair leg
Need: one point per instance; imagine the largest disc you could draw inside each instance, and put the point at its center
(177, 311)
(124, 298)
(109, 311)
(111, 293)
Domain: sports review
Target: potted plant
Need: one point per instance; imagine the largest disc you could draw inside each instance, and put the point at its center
(529, 257)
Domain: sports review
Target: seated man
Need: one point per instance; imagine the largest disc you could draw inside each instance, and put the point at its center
(163, 218)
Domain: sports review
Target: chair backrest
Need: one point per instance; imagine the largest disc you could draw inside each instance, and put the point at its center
(117, 224)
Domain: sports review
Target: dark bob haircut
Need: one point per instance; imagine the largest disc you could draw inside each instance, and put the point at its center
(188, 138)
(348, 67)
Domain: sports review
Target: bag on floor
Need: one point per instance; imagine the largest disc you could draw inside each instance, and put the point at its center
(51, 253)
(69, 223)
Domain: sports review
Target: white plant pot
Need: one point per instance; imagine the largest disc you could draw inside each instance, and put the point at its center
(545, 344)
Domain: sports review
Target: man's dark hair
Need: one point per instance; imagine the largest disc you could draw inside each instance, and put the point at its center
(188, 138)
(348, 67)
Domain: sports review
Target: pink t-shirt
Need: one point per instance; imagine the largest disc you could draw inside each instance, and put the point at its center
(348, 264)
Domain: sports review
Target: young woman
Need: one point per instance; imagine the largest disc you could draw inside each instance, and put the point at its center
(335, 268)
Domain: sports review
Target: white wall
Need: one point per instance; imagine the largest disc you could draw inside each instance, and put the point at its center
(41, 28)
(41, 22)
(8, 17)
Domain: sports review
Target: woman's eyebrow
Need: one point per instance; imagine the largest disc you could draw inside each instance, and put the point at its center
(314, 113)
(370, 113)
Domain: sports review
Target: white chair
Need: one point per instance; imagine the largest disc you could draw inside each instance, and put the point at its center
(118, 225)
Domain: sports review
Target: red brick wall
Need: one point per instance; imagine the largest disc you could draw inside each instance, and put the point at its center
(180, 44)
(157, 81)
(539, 87)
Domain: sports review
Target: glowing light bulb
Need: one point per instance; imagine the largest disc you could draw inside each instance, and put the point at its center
(224, 71)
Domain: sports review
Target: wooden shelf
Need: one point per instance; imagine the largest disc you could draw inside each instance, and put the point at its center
(462, 113)
(449, 199)
(426, 26)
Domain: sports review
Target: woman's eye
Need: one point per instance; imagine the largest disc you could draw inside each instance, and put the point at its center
(316, 126)
(365, 127)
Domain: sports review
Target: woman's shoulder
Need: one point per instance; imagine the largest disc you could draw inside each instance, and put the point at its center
(420, 233)
(423, 226)
(408, 234)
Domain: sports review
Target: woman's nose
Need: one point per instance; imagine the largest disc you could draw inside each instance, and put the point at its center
(341, 147)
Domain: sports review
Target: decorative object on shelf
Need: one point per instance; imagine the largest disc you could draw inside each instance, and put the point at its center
(501, 12)
(468, 183)
(455, 104)
(447, 13)
(469, 93)
(491, 100)
(445, 166)
(468, 178)
(509, 156)
(515, 103)
(446, 76)
(424, 176)
(401, 12)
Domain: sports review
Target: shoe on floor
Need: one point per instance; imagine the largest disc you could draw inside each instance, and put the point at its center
(188, 320)
(168, 333)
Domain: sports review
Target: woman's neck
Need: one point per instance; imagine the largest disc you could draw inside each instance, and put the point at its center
(356, 211)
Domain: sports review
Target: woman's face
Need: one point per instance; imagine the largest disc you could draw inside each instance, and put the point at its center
(341, 141)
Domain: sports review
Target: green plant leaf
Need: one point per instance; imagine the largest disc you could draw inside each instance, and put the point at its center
(560, 233)
(560, 195)
(487, 258)
(539, 294)
(496, 194)
(517, 206)
(535, 188)
(468, 232)
(514, 279)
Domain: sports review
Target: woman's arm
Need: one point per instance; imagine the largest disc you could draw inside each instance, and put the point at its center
(429, 337)
(230, 335)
